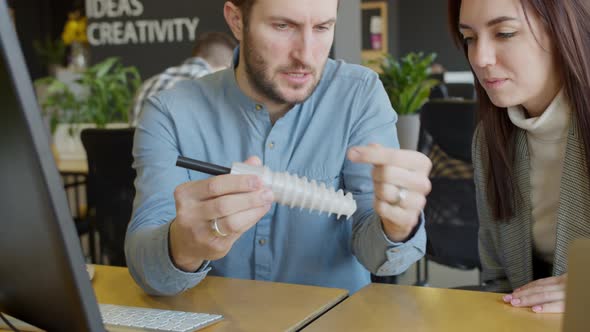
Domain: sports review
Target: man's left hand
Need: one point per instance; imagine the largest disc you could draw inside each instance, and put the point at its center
(401, 183)
(543, 295)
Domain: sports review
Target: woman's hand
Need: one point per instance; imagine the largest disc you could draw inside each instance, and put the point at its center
(543, 295)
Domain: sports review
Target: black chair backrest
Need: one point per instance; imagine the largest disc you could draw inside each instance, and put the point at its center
(461, 90)
(451, 124)
(110, 189)
(447, 128)
(439, 92)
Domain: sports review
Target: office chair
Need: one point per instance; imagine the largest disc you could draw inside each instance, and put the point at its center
(447, 128)
(439, 91)
(74, 185)
(110, 189)
(461, 90)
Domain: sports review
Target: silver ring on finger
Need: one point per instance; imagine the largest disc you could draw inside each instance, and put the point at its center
(215, 228)
(402, 195)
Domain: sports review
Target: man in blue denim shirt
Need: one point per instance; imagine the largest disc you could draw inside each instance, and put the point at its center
(286, 104)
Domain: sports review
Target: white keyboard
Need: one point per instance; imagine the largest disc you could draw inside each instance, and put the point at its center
(116, 317)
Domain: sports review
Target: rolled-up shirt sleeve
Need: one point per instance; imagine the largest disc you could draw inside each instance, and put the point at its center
(384, 257)
(376, 124)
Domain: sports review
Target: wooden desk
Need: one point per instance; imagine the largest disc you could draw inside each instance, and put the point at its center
(246, 305)
(380, 307)
(72, 167)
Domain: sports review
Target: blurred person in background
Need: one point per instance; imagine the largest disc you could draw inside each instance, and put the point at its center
(213, 51)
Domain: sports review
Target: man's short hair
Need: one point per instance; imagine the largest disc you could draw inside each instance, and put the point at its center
(246, 8)
(209, 44)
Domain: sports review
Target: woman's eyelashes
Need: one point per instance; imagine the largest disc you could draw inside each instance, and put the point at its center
(505, 35)
(468, 40)
(501, 35)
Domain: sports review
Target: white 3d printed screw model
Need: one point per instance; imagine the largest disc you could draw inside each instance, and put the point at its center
(295, 191)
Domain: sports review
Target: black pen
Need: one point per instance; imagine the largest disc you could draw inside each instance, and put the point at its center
(201, 166)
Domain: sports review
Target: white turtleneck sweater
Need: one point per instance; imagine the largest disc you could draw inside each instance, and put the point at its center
(547, 140)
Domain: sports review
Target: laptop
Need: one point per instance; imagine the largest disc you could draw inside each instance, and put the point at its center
(577, 301)
(43, 278)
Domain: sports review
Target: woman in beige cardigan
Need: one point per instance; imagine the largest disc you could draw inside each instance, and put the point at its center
(531, 149)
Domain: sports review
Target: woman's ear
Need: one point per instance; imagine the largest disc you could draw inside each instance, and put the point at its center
(235, 21)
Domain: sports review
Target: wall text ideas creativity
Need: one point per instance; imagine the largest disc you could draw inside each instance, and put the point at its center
(137, 30)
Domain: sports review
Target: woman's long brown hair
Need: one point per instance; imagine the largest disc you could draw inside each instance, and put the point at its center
(568, 25)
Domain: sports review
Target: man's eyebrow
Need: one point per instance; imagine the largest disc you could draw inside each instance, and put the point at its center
(330, 21)
(284, 19)
(293, 22)
(490, 23)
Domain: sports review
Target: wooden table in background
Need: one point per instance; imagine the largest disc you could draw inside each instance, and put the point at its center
(72, 166)
(380, 307)
(246, 305)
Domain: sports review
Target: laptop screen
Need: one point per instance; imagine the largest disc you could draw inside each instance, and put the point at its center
(42, 272)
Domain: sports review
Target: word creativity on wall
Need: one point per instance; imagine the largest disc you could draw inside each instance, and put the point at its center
(138, 31)
(151, 35)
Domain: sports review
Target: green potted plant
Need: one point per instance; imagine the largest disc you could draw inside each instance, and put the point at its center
(100, 96)
(51, 53)
(407, 83)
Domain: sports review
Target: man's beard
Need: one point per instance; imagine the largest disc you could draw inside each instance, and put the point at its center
(257, 72)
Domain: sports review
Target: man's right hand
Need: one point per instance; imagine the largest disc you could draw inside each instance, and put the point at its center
(238, 202)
